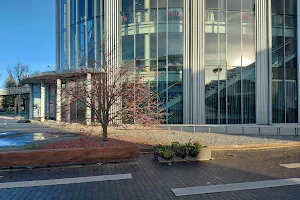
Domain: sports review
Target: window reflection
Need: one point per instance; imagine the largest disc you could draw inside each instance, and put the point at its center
(152, 37)
(230, 62)
(284, 64)
(73, 46)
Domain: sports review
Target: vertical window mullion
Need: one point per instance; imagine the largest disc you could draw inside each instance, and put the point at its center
(157, 72)
(219, 57)
(242, 101)
(284, 65)
(167, 57)
(226, 57)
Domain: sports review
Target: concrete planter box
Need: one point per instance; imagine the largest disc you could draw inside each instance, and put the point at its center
(66, 156)
(204, 155)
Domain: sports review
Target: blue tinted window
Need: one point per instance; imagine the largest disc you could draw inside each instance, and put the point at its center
(63, 10)
(90, 9)
(73, 12)
(81, 9)
(127, 5)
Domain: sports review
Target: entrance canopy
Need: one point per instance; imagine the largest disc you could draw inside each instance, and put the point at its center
(60, 74)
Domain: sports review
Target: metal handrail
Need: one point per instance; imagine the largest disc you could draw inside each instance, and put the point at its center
(281, 45)
(161, 92)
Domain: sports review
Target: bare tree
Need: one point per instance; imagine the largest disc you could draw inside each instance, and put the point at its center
(116, 94)
(18, 71)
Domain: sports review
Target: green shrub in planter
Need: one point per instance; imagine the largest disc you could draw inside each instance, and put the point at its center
(197, 145)
(193, 149)
(164, 152)
(174, 145)
(182, 151)
(167, 154)
(193, 152)
(179, 150)
(159, 150)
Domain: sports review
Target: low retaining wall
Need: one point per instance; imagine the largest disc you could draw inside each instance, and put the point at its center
(64, 156)
(263, 130)
(255, 146)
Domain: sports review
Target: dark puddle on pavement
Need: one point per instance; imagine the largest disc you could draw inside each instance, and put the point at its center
(9, 139)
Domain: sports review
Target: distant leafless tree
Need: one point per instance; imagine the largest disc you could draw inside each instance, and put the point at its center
(18, 71)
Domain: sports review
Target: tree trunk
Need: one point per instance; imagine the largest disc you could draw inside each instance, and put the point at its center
(104, 128)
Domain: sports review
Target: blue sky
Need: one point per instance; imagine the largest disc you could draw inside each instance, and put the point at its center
(27, 34)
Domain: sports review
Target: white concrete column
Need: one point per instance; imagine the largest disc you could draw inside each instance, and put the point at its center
(48, 101)
(263, 62)
(88, 115)
(113, 38)
(96, 119)
(31, 102)
(58, 100)
(68, 104)
(186, 64)
(147, 7)
(147, 51)
(112, 24)
(1, 100)
(43, 95)
(19, 104)
(194, 65)
(16, 105)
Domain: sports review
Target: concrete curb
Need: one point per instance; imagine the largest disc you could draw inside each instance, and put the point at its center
(241, 147)
(255, 146)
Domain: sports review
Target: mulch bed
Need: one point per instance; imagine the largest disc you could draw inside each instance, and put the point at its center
(86, 142)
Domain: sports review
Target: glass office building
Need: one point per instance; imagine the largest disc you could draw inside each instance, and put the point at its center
(210, 61)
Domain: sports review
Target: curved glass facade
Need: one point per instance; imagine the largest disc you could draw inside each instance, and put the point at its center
(152, 39)
(157, 40)
(81, 30)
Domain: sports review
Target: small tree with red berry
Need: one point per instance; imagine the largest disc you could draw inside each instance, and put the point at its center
(115, 94)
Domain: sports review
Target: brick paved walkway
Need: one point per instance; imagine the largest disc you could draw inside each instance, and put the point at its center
(154, 181)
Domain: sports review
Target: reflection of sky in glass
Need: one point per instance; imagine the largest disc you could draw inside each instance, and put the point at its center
(229, 61)
(19, 139)
(8, 133)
